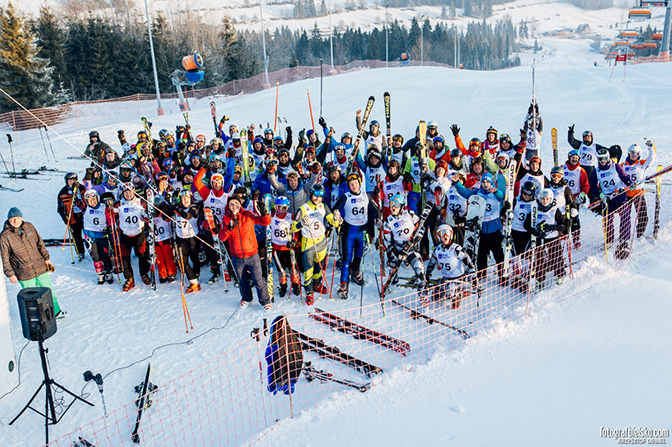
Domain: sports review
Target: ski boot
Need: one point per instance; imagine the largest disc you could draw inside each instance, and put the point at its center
(215, 277)
(170, 278)
(358, 278)
(343, 291)
(193, 287)
(422, 281)
(310, 299)
(268, 307)
(129, 284)
(101, 278)
(146, 280)
(243, 304)
(296, 289)
(319, 287)
(81, 256)
(283, 290)
(623, 250)
(162, 279)
(109, 277)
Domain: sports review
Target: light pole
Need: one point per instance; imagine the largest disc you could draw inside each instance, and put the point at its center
(422, 41)
(331, 39)
(387, 34)
(156, 76)
(263, 44)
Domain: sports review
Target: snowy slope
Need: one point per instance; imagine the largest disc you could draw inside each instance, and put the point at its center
(107, 329)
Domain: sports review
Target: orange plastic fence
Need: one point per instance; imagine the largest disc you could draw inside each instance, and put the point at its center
(22, 120)
(226, 402)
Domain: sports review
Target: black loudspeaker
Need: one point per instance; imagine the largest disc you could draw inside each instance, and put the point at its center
(36, 307)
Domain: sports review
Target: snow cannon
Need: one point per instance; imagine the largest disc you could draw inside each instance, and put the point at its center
(192, 75)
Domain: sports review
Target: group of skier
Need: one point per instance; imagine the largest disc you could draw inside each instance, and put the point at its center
(250, 204)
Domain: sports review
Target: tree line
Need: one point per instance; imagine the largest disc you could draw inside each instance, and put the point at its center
(51, 60)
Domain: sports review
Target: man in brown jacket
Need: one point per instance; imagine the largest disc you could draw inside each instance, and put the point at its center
(24, 257)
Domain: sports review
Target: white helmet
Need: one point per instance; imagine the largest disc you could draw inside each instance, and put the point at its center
(445, 229)
(635, 151)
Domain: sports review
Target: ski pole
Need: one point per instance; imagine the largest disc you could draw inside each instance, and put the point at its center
(373, 264)
(4, 163)
(185, 308)
(310, 107)
(338, 244)
(43, 144)
(257, 338)
(67, 223)
(281, 269)
(46, 132)
(11, 151)
(277, 91)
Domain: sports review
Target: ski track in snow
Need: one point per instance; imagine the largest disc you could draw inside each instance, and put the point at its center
(591, 359)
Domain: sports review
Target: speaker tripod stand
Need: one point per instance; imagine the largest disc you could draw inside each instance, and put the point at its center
(50, 416)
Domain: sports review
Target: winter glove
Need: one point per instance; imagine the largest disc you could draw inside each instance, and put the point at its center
(573, 213)
(233, 223)
(322, 123)
(231, 153)
(108, 231)
(291, 244)
(455, 130)
(261, 207)
(376, 190)
(305, 220)
(224, 119)
(541, 226)
(288, 129)
(523, 135)
(530, 109)
(581, 198)
(256, 194)
(649, 143)
(408, 178)
(302, 133)
(571, 128)
(316, 168)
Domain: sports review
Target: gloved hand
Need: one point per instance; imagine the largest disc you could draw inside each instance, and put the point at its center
(379, 224)
(288, 129)
(337, 217)
(455, 130)
(108, 231)
(523, 135)
(581, 198)
(573, 212)
(322, 122)
(233, 223)
(649, 143)
(231, 153)
(302, 133)
(224, 119)
(530, 109)
(541, 226)
(261, 207)
(291, 244)
(316, 168)
(571, 128)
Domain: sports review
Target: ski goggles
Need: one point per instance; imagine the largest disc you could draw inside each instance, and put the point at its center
(398, 138)
(71, 177)
(318, 193)
(162, 177)
(557, 176)
(526, 192)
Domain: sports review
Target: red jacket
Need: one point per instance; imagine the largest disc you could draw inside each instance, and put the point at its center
(242, 239)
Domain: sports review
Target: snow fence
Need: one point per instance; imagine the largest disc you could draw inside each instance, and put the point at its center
(226, 400)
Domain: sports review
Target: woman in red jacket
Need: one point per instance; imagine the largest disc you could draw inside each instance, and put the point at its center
(238, 229)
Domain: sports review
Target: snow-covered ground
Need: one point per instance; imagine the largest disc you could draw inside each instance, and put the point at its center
(548, 369)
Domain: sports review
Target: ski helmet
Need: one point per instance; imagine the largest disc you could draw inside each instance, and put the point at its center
(94, 133)
(374, 123)
(317, 190)
(334, 167)
(162, 175)
(346, 135)
(398, 137)
(163, 133)
(167, 164)
(126, 164)
(292, 174)
(546, 193)
(310, 150)
(257, 140)
(536, 159)
(455, 153)
(634, 151)
(373, 151)
(238, 170)
(557, 171)
(505, 138)
(201, 138)
(309, 132)
(439, 139)
(281, 201)
(283, 151)
(441, 164)
(503, 156)
(235, 136)
(398, 200)
(445, 229)
(185, 192)
(278, 140)
(127, 186)
(233, 129)
(491, 130)
(217, 175)
(339, 147)
(215, 141)
(268, 130)
(70, 176)
(142, 134)
(354, 176)
(432, 125)
(214, 157)
(529, 188)
(572, 153)
(475, 142)
(91, 193)
(602, 155)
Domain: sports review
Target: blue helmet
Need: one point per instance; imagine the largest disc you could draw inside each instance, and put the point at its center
(398, 199)
(281, 201)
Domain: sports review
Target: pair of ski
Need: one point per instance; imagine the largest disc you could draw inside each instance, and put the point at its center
(360, 332)
(5, 188)
(244, 143)
(223, 272)
(333, 353)
(143, 402)
(415, 314)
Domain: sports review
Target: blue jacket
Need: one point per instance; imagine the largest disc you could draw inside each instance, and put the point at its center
(491, 226)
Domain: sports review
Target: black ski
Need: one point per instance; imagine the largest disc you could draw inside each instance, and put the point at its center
(24, 176)
(388, 124)
(415, 315)
(82, 443)
(360, 332)
(151, 237)
(323, 376)
(142, 402)
(331, 352)
(409, 245)
(656, 213)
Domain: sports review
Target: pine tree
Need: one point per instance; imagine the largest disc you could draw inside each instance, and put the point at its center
(23, 75)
